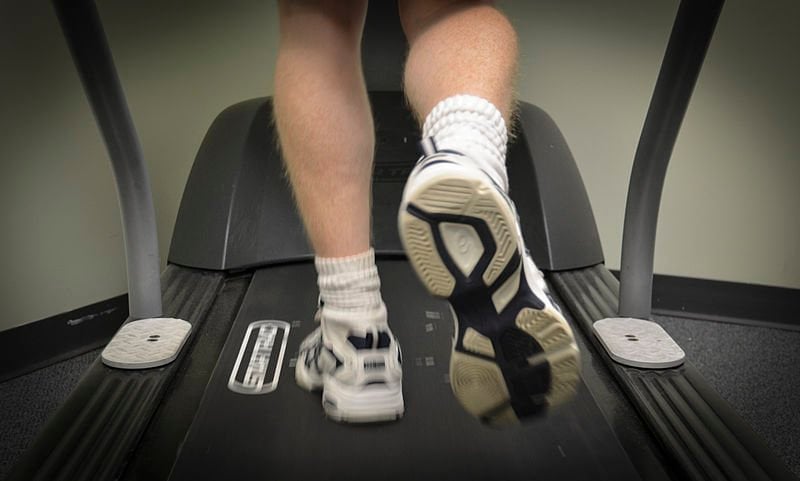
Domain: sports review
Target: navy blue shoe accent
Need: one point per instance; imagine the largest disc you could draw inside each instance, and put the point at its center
(433, 157)
(471, 300)
(427, 146)
(370, 341)
(383, 340)
(339, 362)
(366, 342)
(434, 162)
(313, 357)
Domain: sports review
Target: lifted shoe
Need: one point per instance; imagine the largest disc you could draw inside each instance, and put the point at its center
(513, 353)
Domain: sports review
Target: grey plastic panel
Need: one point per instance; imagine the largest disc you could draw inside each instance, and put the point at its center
(558, 222)
(237, 209)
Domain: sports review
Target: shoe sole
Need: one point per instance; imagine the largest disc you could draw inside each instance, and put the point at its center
(512, 356)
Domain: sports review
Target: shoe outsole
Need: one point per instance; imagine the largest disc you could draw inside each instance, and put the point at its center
(515, 356)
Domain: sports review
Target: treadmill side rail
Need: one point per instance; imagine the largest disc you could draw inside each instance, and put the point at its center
(699, 431)
(92, 434)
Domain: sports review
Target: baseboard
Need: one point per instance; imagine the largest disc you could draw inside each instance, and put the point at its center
(724, 301)
(41, 343)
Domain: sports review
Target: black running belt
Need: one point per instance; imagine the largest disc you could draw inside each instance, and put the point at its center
(283, 434)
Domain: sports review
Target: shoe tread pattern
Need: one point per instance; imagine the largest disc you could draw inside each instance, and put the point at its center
(547, 373)
(473, 198)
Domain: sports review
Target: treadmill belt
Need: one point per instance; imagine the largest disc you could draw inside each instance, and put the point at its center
(283, 434)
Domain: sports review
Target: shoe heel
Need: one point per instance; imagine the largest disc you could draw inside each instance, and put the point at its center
(551, 331)
(421, 250)
(468, 198)
(477, 384)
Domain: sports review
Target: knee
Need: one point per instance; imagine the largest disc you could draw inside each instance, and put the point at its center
(417, 16)
(325, 22)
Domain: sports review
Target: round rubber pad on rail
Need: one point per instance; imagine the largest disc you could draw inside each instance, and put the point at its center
(146, 343)
(638, 343)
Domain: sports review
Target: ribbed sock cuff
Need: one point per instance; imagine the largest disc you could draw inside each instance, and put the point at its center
(349, 283)
(473, 126)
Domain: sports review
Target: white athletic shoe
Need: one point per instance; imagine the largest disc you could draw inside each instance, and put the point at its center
(358, 370)
(513, 354)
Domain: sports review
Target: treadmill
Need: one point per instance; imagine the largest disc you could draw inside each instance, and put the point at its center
(241, 273)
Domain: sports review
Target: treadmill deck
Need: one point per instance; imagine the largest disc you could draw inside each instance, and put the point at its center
(283, 434)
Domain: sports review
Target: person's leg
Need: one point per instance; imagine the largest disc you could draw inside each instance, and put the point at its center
(326, 135)
(514, 353)
(462, 65)
(324, 121)
(463, 47)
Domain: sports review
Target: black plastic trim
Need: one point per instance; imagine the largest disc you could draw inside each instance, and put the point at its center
(238, 200)
(38, 344)
(156, 453)
(557, 219)
(725, 301)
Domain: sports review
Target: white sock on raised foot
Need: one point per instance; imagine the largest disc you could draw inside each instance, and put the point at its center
(474, 127)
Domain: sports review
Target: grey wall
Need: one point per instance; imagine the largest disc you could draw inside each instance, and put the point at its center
(729, 202)
(731, 195)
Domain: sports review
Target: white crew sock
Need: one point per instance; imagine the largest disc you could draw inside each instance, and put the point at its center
(350, 289)
(474, 127)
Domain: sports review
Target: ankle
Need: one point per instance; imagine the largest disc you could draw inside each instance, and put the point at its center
(350, 290)
(337, 325)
